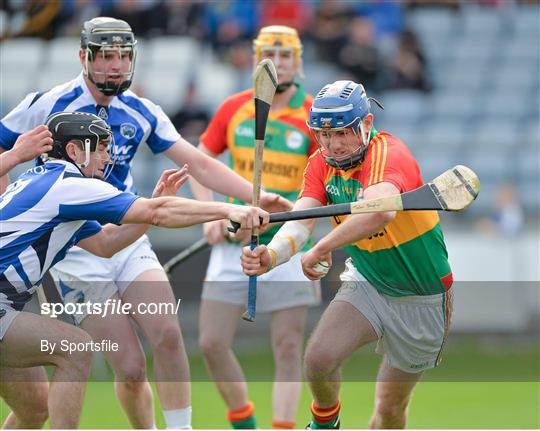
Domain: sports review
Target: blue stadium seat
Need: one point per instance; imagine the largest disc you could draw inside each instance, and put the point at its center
(451, 104)
(481, 23)
(531, 134)
(490, 166)
(402, 106)
(428, 22)
(403, 131)
(459, 77)
(470, 50)
(506, 102)
(527, 175)
(494, 134)
(519, 48)
(318, 74)
(438, 49)
(520, 76)
(442, 133)
(434, 161)
(529, 194)
(527, 21)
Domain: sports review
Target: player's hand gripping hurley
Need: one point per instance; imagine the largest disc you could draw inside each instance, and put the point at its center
(264, 87)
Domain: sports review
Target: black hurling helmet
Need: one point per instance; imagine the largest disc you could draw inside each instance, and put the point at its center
(87, 129)
(103, 34)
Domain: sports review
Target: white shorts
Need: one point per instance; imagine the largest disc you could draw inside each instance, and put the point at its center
(411, 329)
(7, 315)
(284, 287)
(83, 277)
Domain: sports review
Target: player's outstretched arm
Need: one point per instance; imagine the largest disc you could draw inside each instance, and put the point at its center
(28, 146)
(112, 238)
(174, 212)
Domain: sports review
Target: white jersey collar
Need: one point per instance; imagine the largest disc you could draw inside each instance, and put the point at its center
(69, 167)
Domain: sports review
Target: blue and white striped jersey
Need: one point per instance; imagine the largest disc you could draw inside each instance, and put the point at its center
(133, 120)
(42, 214)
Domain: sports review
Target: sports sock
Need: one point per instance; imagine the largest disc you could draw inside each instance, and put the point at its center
(325, 417)
(282, 425)
(243, 418)
(179, 419)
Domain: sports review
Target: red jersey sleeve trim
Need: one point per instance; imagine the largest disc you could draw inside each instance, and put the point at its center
(375, 157)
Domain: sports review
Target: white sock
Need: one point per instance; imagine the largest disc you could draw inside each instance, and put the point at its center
(179, 419)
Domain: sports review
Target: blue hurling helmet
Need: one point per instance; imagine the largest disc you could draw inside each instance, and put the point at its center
(340, 105)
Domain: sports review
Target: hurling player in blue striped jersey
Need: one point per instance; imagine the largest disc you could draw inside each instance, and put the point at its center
(47, 210)
(108, 53)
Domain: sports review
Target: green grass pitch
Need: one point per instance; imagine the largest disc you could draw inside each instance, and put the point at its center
(468, 398)
(435, 405)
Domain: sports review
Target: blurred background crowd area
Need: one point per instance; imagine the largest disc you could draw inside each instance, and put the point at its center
(460, 81)
(459, 78)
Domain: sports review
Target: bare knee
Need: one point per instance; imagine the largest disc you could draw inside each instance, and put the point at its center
(319, 362)
(131, 371)
(168, 338)
(75, 355)
(212, 346)
(287, 351)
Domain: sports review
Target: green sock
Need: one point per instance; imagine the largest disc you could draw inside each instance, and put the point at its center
(333, 424)
(248, 423)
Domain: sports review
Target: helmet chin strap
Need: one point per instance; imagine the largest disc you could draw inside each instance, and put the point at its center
(86, 147)
(109, 88)
(363, 136)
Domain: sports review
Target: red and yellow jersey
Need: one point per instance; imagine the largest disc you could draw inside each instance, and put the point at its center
(408, 257)
(287, 145)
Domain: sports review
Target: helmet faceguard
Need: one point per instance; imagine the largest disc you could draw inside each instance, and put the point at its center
(100, 36)
(279, 37)
(86, 129)
(352, 150)
(337, 111)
